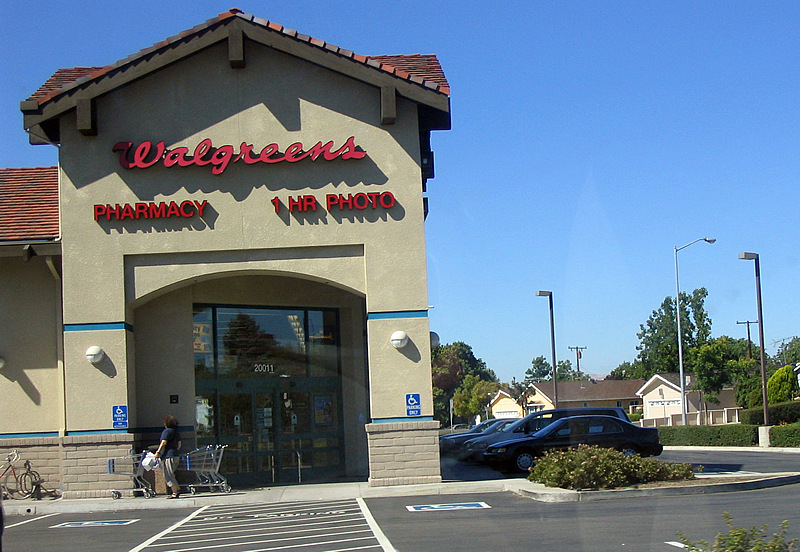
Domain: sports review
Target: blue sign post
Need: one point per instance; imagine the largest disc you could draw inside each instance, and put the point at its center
(413, 407)
(119, 416)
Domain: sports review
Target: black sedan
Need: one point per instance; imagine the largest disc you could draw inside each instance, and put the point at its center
(449, 444)
(601, 431)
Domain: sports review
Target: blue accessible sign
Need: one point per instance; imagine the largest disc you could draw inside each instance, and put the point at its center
(413, 407)
(119, 416)
(448, 507)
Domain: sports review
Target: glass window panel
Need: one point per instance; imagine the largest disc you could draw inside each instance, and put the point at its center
(323, 349)
(236, 464)
(205, 416)
(203, 343)
(261, 342)
(236, 415)
(296, 413)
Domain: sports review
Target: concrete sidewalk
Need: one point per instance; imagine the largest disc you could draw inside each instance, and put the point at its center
(732, 481)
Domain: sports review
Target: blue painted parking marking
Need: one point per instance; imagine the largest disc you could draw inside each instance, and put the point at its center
(104, 523)
(448, 507)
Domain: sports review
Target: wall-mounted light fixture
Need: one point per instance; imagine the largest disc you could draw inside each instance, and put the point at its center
(95, 354)
(399, 339)
(2, 362)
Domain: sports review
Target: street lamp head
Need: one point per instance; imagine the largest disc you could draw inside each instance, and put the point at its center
(745, 256)
(544, 293)
(709, 240)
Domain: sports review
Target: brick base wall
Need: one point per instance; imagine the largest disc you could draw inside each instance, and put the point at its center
(75, 465)
(403, 453)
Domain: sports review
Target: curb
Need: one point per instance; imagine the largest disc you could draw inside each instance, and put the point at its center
(764, 482)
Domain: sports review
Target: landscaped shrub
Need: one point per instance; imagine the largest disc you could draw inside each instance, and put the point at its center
(787, 435)
(635, 416)
(788, 412)
(739, 539)
(782, 385)
(727, 435)
(587, 467)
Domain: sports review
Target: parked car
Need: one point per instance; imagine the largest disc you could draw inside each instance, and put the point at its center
(474, 448)
(601, 431)
(449, 444)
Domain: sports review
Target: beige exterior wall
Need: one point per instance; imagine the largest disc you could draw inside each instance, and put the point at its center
(130, 285)
(30, 382)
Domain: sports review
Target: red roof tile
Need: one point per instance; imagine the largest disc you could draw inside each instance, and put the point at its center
(29, 204)
(420, 69)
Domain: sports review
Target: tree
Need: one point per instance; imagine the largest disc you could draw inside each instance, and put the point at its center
(450, 365)
(782, 385)
(539, 371)
(658, 338)
(789, 352)
(473, 396)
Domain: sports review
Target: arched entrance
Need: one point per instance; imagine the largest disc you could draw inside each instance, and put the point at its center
(277, 374)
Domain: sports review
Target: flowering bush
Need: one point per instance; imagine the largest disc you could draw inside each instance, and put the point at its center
(587, 467)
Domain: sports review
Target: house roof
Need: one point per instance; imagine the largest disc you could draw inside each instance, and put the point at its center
(591, 389)
(29, 205)
(417, 77)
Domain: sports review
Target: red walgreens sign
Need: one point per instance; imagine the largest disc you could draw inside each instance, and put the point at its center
(147, 154)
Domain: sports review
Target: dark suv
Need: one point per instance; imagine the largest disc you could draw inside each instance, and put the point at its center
(473, 449)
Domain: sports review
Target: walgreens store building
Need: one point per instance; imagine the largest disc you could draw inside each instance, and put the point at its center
(234, 235)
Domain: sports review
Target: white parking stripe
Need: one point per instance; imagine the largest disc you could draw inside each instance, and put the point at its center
(30, 520)
(675, 544)
(168, 529)
(382, 540)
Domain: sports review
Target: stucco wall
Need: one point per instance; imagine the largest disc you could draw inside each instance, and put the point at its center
(115, 267)
(29, 343)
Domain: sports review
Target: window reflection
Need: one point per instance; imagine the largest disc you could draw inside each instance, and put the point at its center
(243, 342)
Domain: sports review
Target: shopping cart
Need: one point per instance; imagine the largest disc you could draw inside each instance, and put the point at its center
(131, 465)
(204, 463)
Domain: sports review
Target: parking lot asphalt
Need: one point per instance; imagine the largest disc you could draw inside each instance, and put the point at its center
(712, 483)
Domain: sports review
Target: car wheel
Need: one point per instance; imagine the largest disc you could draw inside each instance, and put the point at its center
(629, 450)
(523, 461)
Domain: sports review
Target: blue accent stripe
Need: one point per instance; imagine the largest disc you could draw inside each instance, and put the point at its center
(391, 420)
(99, 432)
(28, 435)
(98, 326)
(397, 314)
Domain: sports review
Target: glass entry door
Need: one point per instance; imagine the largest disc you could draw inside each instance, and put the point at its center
(268, 386)
(274, 436)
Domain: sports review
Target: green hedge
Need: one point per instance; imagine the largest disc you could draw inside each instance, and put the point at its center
(787, 413)
(587, 467)
(785, 435)
(728, 435)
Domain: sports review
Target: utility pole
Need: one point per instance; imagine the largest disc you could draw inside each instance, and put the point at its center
(578, 356)
(749, 342)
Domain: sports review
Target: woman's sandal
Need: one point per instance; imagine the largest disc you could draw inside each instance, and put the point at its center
(173, 496)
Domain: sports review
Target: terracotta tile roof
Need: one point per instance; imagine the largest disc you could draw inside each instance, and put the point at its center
(29, 204)
(61, 79)
(423, 70)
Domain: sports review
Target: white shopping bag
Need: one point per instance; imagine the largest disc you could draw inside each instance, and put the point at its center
(149, 461)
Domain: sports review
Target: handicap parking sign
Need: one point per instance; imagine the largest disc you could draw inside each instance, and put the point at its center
(119, 416)
(413, 407)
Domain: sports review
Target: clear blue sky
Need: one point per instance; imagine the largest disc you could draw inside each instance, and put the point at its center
(588, 140)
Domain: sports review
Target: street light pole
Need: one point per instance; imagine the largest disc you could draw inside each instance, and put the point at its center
(549, 295)
(754, 257)
(678, 318)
